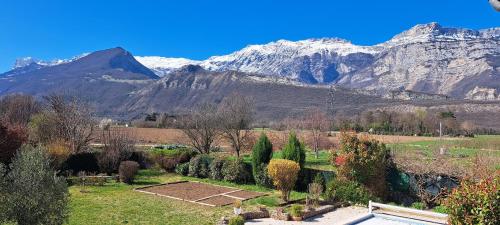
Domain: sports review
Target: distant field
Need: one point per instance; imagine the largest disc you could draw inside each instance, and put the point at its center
(459, 152)
(278, 138)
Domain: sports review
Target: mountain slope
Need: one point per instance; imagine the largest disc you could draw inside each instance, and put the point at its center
(104, 77)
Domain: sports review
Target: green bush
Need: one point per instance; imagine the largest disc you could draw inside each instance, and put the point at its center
(127, 171)
(31, 191)
(363, 160)
(236, 171)
(418, 205)
(475, 203)
(345, 191)
(216, 169)
(319, 179)
(296, 210)
(261, 177)
(199, 166)
(238, 220)
(262, 152)
(182, 169)
(294, 150)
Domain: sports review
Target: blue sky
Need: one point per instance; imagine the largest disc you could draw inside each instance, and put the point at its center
(198, 29)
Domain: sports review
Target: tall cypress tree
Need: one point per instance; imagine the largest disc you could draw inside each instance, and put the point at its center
(262, 152)
(294, 150)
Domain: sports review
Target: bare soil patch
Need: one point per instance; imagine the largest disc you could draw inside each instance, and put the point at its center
(202, 193)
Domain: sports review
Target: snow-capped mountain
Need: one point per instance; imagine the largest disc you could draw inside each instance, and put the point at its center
(426, 58)
(162, 65)
(22, 62)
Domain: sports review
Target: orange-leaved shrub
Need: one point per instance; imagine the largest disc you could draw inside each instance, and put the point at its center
(363, 160)
(475, 203)
(284, 175)
(58, 151)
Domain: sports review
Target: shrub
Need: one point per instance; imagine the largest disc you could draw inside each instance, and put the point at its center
(58, 152)
(168, 159)
(118, 147)
(262, 177)
(182, 169)
(127, 171)
(345, 191)
(32, 193)
(11, 139)
(262, 152)
(319, 179)
(216, 169)
(237, 220)
(475, 203)
(296, 210)
(315, 191)
(235, 171)
(418, 205)
(199, 166)
(284, 175)
(294, 150)
(363, 160)
(168, 164)
(86, 161)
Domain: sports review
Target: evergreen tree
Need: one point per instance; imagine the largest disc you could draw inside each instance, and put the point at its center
(294, 150)
(262, 152)
(32, 193)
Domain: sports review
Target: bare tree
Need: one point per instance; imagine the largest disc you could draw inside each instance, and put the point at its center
(317, 122)
(201, 127)
(18, 109)
(236, 113)
(118, 146)
(64, 119)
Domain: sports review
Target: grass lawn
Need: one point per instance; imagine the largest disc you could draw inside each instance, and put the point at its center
(117, 203)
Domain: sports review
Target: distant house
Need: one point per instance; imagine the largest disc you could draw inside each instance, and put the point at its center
(414, 95)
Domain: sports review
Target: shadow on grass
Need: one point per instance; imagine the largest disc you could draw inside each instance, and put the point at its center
(146, 182)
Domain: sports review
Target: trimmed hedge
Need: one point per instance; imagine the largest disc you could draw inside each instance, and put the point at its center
(236, 171)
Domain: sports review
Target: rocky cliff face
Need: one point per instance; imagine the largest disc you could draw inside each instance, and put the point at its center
(427, 58)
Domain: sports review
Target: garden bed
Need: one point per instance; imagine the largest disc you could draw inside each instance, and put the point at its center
(201, 193)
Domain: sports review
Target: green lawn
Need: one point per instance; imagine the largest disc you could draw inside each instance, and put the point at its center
(117, 203)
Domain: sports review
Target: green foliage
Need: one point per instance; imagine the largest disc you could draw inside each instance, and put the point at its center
(341, 190)
(475, 203)
(262, 152)
(32, 192)
(418, 205)
(261, 176)
(182, 169)
(297, 210)
(237, 220)
(199, 166)
(319, 179)
(294, 150)
(216, 168)
(363, 160)
(235, 171)
(441, 209)
(127, 171)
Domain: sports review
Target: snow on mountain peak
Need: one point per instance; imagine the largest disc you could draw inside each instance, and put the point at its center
(162, 65)
(26, 61)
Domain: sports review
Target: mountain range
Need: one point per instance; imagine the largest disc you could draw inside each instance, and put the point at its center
(285, 77)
